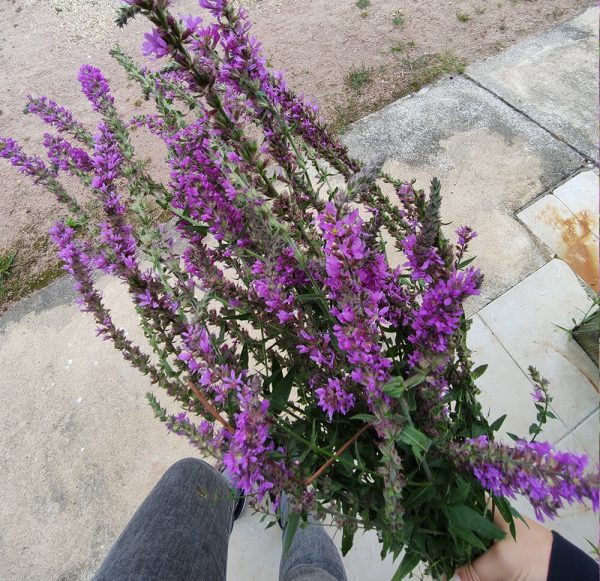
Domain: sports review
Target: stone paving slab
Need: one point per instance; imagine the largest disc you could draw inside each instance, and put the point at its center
(566, 234)
(552, 78)
(527, 321)
(491, 162)
(580, 195)
(505, 387)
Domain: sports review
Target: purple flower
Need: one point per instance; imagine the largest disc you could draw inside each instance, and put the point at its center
(190, 22)
(425, 262)
(465, 235)
(59, 117)
(547, 477)
(66, 157)
(333, 398)
(29, 165)
(154, 45)
(439, 314)
(96, 89)
(538, 395)
(355, 276)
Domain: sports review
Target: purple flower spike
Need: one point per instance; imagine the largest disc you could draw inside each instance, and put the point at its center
(66, 157)
(96, 89)
(547, 477)
(29, 165)
(59, 117)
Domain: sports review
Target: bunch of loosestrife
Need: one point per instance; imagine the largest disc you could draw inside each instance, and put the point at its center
(304, 356)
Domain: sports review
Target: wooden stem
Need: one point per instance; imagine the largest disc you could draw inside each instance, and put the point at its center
(338, 453)
(210, 408)
(215, 414)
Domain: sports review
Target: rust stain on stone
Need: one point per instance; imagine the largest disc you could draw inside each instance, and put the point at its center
(579, 247)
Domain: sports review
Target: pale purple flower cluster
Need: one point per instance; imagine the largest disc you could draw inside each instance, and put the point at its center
(65, 156)
(356, 275)
(59, 117)
(244, 63)
(425, 262)
(245, 451)
(438, 317)
(333, 398)
(95, 88)
(29, 165)
(200, 183)
(464, 235)
(120, 254)
(277, 300)
(154, 45)
(547, 477)
(282, 285)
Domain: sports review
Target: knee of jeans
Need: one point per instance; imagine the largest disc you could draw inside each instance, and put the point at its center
(189, 466)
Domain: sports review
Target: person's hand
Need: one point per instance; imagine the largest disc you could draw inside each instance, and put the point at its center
(526, 559)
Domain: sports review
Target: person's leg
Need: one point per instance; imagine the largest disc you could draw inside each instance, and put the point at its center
(179, 533)
(312, 555)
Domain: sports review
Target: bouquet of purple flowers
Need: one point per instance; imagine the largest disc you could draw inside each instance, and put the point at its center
(311, 329)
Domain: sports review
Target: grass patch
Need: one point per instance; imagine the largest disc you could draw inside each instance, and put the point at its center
(417, 73)
(428, 68)
(399, 19)
(357, 78)
(403, 46)
(7, 262)
(362, 4)
(463, 17)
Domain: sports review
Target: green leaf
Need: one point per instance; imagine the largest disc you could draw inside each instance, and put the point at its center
(281, 391)
(414, 380)
(363, 417)
(244, 357)
(465, 263)
(512, 436)
(505, 510)
(409, 562)
(498, 423)
(347, 540)
(534, 429)
(464, 517)
(309, 298)
(461, 492)
(478, 371)
(468, 536)
(424, 495)
(417, 440)
(238, 317)
(395, 387)
(290, 531)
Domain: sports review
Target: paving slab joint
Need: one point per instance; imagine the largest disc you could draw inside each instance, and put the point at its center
(585, 166)
(579, 424)
(594, 162)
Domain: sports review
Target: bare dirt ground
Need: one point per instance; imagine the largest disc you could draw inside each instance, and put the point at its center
(352, 56)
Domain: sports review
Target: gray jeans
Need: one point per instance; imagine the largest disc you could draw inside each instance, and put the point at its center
(181, 533)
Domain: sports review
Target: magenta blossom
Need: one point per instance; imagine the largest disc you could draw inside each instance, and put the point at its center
(154, 45)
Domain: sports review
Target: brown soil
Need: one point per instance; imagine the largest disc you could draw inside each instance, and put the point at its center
(351, 60)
